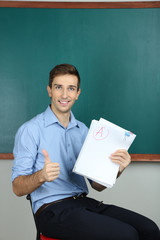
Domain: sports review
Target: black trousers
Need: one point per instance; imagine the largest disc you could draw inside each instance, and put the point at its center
(88, 219)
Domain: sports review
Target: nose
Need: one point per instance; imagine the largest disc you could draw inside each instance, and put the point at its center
(64, 93)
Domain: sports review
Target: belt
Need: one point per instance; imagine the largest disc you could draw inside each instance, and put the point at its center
(61, 200)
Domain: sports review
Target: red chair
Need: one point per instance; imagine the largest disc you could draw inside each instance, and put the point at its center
(39, 236)
(42, 237)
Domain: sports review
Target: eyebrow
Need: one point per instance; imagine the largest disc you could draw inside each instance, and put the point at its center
(73, 86)
(62, 85)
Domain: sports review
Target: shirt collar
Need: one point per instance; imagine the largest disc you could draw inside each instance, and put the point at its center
(50, 118)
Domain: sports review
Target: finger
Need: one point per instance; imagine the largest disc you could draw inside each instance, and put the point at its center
(52, 167)
(120, 151)
(120, 158)
(51, 171)
(122, 161)
(46, 156)
(51, 177)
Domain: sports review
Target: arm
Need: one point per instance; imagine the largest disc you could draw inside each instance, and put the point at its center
(98, 187)
(121, 157)
(23, 185)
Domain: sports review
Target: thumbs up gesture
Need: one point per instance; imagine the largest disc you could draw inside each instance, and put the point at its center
(50, 169)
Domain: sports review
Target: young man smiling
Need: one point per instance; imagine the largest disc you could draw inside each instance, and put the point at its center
(64, 91)
(45, 151)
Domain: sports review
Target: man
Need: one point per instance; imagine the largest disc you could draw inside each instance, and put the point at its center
(45, 152)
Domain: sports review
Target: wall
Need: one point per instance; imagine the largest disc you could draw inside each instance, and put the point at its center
(137, 189)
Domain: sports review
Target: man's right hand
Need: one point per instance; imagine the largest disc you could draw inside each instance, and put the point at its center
(26, 184)
(50, 170)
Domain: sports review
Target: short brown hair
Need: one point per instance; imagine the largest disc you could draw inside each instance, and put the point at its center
(63, 69)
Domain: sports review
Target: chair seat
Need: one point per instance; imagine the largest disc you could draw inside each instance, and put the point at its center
(42, 237)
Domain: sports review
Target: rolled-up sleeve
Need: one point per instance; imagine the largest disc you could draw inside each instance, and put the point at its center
(25, 151)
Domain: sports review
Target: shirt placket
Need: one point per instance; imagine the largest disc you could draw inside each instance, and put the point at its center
(69, 152)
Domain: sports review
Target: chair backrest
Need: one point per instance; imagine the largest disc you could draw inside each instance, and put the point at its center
(39, 235)
(28, 197)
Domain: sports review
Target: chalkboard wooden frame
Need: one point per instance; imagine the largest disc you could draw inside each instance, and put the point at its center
(85, 5)
(134, 157)
(26, 4)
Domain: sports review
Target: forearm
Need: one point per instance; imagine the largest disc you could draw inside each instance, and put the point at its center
(98, 187)
(23, 185)
(26, 184)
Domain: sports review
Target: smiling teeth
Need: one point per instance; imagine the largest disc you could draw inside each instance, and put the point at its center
(63, 102)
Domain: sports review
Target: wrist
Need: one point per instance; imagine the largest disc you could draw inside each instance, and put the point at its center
(41, 177)
(120, 172)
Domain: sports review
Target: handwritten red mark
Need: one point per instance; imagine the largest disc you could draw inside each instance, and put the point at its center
(100, 133)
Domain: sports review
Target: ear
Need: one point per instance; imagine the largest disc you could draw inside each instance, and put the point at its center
(78, 93)
(49, 91)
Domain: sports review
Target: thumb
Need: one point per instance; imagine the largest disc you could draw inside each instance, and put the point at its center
(46, 156)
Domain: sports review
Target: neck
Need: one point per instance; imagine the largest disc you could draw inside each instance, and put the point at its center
(63, 118)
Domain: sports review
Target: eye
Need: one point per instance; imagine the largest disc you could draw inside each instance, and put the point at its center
(71, 88)
(58, 87)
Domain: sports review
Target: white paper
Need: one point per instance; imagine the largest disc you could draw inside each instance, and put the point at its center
(103, 139)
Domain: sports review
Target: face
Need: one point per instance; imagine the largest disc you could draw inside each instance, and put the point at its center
(63, 93)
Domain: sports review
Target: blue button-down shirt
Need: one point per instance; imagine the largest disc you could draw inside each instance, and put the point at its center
(63, 146)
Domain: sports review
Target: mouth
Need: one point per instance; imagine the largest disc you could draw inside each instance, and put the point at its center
(64, 102)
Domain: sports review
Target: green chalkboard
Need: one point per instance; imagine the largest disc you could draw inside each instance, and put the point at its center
(117, 52)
